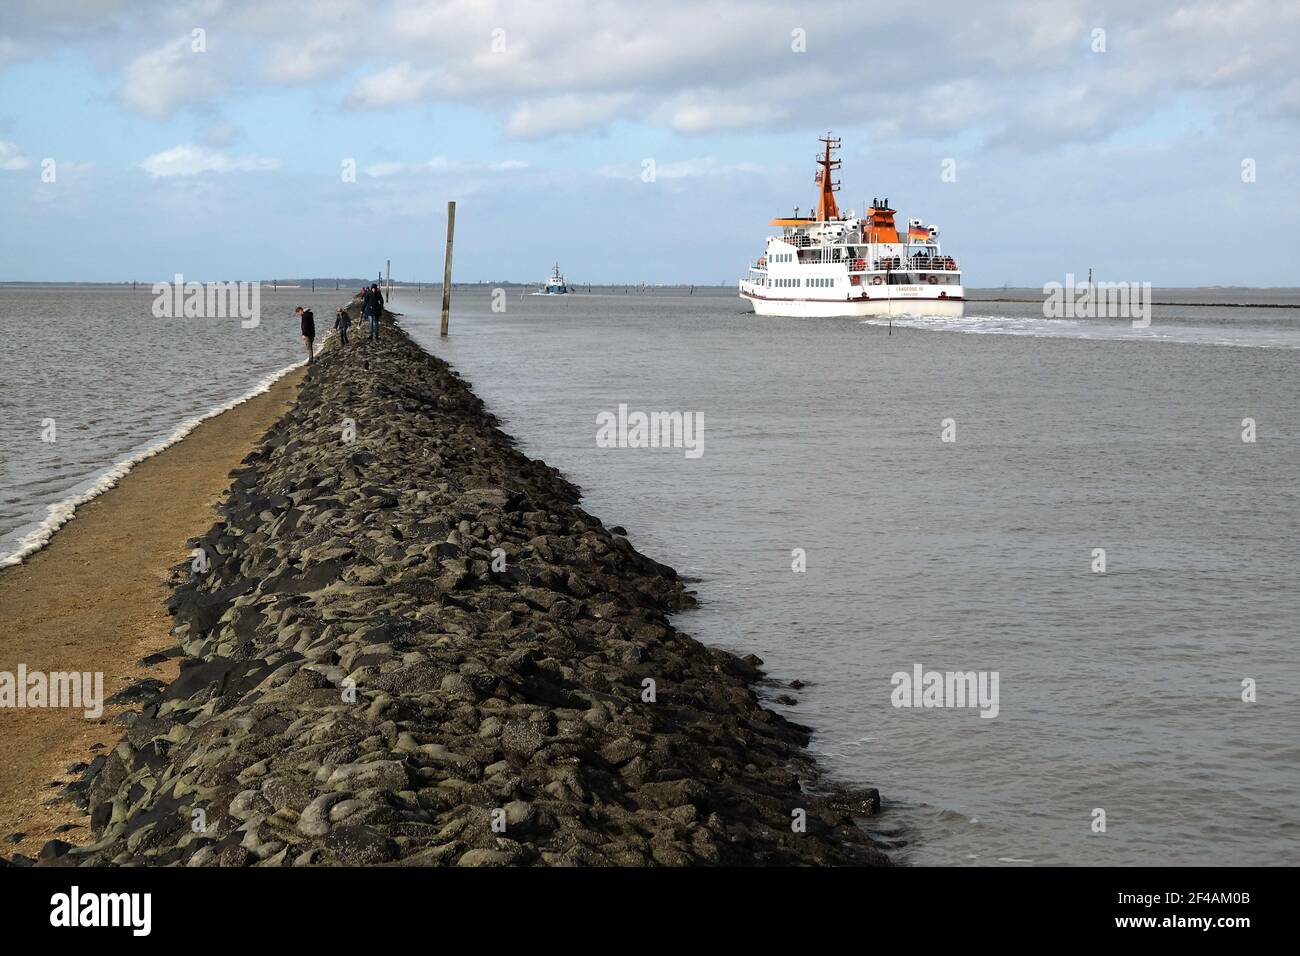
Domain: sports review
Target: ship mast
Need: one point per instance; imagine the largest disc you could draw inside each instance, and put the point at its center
(826, 207)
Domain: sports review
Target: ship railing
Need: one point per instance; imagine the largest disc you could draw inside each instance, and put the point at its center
(915, 264)
(850, 253)
(860, 264)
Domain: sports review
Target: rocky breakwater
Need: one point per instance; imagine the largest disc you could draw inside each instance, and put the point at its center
(406, 643)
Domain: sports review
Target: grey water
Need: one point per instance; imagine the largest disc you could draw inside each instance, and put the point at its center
(115, 382)
(1119, 691)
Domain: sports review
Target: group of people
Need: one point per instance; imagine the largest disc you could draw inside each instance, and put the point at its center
(372, 308)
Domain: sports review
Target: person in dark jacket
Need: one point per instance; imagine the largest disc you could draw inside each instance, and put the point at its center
(308, 331)
(342, 321)
(372, 306)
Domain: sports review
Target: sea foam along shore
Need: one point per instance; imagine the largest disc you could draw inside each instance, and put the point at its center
(64, 510)
(365, 682)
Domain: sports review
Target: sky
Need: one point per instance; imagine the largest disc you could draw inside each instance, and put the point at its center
(643, 142)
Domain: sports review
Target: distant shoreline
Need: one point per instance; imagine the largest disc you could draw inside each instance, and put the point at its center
(298, 285)
(1206, 305)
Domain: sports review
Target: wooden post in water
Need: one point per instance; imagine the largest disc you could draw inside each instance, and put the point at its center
(389, 283)
(446, 269)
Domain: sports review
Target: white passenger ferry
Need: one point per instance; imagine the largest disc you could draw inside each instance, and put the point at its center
(835, 265)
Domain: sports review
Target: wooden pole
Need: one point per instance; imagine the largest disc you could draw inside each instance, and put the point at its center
(389, 267)
(446, 270)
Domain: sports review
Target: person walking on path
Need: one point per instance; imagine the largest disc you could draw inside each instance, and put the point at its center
(373, 307)
(341, 322)
(308, 331)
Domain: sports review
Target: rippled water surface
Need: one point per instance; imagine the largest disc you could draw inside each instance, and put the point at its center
(116, 382)
(1119, 691)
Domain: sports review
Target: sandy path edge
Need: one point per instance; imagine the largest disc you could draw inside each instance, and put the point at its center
(93, 600)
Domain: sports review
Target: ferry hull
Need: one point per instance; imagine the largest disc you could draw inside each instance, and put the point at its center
(951, 306)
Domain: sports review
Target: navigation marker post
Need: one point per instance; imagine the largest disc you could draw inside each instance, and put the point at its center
(446, 271)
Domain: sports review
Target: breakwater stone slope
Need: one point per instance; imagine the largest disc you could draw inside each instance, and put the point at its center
(410, 645)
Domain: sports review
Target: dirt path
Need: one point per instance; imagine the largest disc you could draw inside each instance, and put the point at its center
(93, 600)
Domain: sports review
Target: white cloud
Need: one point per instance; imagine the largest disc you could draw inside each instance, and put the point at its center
(395, 86)
(188, 160)
(297, 62)
(12, 158)
(161, 81)
(696, 66)
(564, 114)
(700, 117)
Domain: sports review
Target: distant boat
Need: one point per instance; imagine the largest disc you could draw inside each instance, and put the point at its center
(555, 285)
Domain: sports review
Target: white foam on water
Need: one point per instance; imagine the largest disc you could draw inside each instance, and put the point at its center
(1098, 330)
(64, 510)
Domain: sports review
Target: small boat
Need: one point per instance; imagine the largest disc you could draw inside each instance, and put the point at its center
(555, 285)
(827, 264)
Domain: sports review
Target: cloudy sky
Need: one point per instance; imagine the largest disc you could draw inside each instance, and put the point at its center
(215, 138)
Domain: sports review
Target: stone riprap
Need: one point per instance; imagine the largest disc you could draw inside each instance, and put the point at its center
(411, 646)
